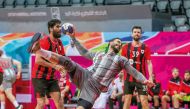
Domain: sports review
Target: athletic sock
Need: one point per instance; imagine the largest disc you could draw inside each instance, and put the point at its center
(139, 105)
(2, 105)
(15, 103)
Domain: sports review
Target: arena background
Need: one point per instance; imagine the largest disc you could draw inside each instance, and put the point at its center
(96, 25)
(168, 49)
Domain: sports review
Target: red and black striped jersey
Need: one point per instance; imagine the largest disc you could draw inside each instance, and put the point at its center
(137, 58)
(40, 71)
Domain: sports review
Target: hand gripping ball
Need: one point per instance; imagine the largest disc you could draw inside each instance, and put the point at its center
(67, 27)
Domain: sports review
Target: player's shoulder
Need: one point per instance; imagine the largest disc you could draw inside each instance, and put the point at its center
(126, 44)
(145, 44)
(100, 53)
(122, 58)
(45, 42)
(44, 38)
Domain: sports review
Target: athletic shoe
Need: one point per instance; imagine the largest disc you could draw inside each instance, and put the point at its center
(33, 43)
(19, 107)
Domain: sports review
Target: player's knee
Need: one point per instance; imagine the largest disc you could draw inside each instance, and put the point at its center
(144, 101)
(40, 102)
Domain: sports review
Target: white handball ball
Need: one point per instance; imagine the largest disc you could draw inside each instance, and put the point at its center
(67, 27)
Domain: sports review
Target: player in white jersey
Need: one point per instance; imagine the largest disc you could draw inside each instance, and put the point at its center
(9, 77)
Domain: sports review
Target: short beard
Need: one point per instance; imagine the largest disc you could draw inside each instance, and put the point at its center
(56, 35)
(136, 39)
(115, 49)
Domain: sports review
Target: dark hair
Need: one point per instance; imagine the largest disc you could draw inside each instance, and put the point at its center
(187, 71)
(114, 39)
(52, 23)
(1, 53)
(137, 27)
(107, 48)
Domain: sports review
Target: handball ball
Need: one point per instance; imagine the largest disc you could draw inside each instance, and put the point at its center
(67, 27)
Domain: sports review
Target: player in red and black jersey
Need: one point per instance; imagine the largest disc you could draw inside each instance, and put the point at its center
(43, 73)
(172, 89)
(185, 85)
(65, 87)
(138, 54)
(184, 91)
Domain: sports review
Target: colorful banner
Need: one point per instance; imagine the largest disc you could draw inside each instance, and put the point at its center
(15, 44)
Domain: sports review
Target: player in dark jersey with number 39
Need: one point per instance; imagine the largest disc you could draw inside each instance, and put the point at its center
(43, 73)
(138, 54)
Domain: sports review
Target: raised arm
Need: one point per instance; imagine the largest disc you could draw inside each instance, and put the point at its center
(82, 50)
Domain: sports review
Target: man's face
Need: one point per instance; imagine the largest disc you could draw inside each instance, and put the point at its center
(57, 31)
(187, 76)
(116, 45)
(136, 34)
(121, 75)
(175, 73)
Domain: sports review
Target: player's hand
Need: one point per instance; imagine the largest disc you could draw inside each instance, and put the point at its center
(151, 79)
(113, 96)
(72, 35)
(59, 68)
(18, 75)
(149, 83)
(63, 94)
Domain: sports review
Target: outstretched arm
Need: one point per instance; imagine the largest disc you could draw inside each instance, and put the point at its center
(82, 50)
(133, 72)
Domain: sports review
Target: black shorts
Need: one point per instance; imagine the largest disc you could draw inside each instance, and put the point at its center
(85, 104)
(129, 88)
(1, 78)
(43, 87)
